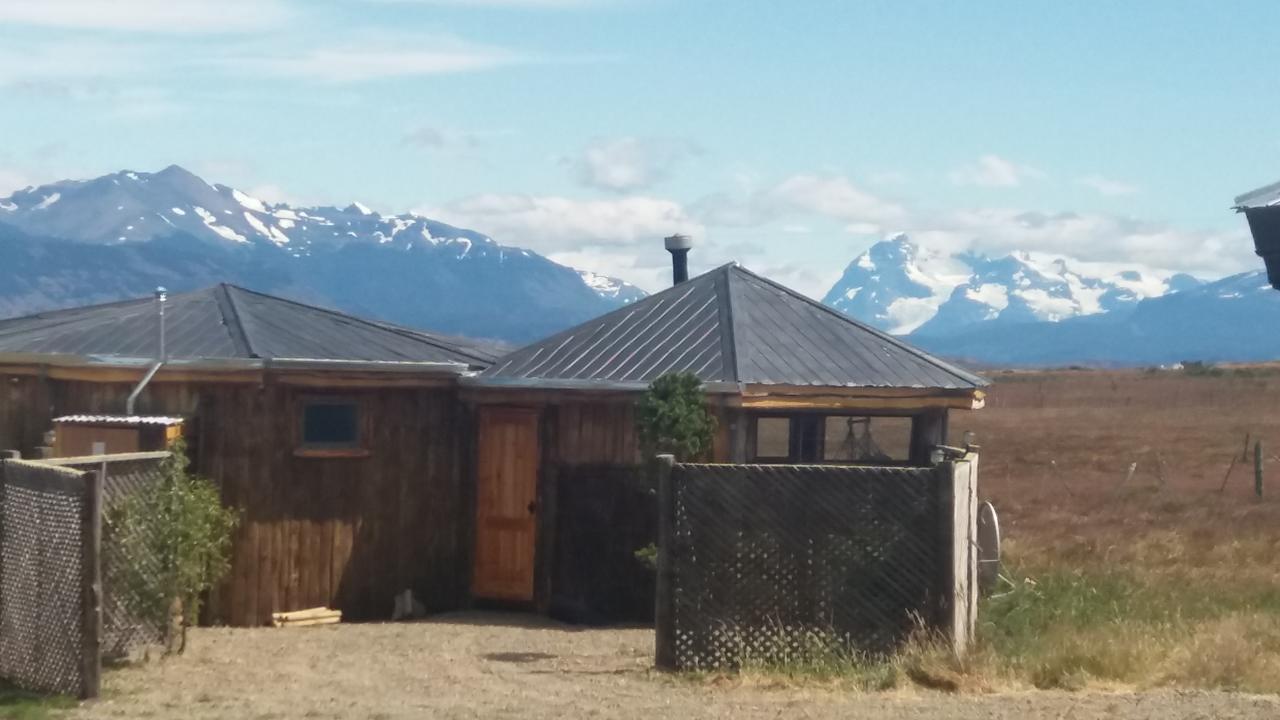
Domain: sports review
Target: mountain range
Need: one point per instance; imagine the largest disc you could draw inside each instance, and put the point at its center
(1028, 309)
(122, 235)
(119, 235)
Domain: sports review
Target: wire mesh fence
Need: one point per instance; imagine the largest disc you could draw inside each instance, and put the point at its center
(130, 566)
(775, 563)
(49, 619)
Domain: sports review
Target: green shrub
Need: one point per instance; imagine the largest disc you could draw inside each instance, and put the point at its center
(177, 536)
(672, 418)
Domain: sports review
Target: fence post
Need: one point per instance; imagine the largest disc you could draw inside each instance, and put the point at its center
(91, 584)
(664, 591)
(1257, 468)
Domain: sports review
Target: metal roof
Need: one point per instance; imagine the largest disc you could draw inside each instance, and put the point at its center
(729, 326)
(226, 322)
(1262, 197)
(119, 420)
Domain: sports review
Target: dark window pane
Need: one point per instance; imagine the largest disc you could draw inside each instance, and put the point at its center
(773, 437)
(867, 439)
(325, 423)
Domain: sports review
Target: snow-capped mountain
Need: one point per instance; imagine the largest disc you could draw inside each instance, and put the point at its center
(173, 228)
(905, 289)
(1221, 321)
(612, 288)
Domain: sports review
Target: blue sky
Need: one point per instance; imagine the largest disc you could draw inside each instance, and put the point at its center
(788, 136)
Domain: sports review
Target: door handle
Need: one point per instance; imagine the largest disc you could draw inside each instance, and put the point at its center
(533, 507)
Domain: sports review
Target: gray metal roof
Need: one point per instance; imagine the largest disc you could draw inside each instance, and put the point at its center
(226, 322)
(729, 326)
(1262, 197)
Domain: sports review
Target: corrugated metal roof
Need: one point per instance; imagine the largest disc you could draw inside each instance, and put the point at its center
(1262, 197)
(229, 322)
(165, 420)
(731, 326)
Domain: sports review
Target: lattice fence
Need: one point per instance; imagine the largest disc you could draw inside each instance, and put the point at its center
(126, 626)
(773, 564)
(49, 621)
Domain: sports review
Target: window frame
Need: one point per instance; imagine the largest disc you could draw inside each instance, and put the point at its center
(357, 448)
(818, 418)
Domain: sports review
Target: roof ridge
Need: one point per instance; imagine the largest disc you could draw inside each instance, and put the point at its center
(377, 324)
(958, 372)
(729, 336)
(231, 318)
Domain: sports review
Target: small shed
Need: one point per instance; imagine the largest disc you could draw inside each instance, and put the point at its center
(790, 380)
(1261, 208)
(78, 435)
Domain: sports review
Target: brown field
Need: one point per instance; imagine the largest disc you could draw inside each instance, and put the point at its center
(1168, 579)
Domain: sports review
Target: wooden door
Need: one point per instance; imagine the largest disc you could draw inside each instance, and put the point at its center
(506, 507)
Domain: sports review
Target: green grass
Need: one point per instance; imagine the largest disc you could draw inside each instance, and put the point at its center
(1072, 626)
(18, 704)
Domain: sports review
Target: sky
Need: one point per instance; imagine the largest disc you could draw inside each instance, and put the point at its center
(788, 136)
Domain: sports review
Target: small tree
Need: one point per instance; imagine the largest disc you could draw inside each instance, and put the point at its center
(672, 418)
(176, 537)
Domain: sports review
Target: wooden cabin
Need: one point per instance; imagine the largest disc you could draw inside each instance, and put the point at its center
(339, 438)
(789, 379)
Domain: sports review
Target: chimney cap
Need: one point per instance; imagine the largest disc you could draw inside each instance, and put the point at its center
(678, 242)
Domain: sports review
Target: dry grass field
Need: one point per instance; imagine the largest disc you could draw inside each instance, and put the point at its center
(1165, 577)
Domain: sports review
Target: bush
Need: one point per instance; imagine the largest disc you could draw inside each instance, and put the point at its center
(672, 418)
(178, 536)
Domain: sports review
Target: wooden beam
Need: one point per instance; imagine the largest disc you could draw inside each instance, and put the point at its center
(837, 402)
(752, 391)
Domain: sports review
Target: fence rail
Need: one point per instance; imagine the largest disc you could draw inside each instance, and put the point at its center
(773, 563)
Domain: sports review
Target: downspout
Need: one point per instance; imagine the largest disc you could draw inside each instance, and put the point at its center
(161, 297)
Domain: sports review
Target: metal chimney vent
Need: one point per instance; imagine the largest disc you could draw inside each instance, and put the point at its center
(679, 246)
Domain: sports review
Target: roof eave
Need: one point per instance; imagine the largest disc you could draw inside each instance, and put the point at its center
(525, 383)
(235, 364)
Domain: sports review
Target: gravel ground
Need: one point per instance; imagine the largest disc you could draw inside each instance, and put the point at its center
(478, 665)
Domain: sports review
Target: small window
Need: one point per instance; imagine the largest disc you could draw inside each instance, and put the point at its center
(773, 437)
(330, 424)
(860, 439)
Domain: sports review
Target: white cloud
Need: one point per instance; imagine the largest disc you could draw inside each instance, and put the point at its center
(503, 3)
(995, 171)
(552, 223)
(1107, 186)
(627, 164)
(12, 180)
(374, 60)
(150, 16)
(834, 196)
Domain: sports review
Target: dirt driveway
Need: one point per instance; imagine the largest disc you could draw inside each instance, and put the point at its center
(499, 666)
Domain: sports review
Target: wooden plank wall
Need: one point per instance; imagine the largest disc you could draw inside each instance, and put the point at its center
(347, 533)
(28, 404)
(603, 432)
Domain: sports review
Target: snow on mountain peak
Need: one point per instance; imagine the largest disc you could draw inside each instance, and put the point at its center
(902, 288)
